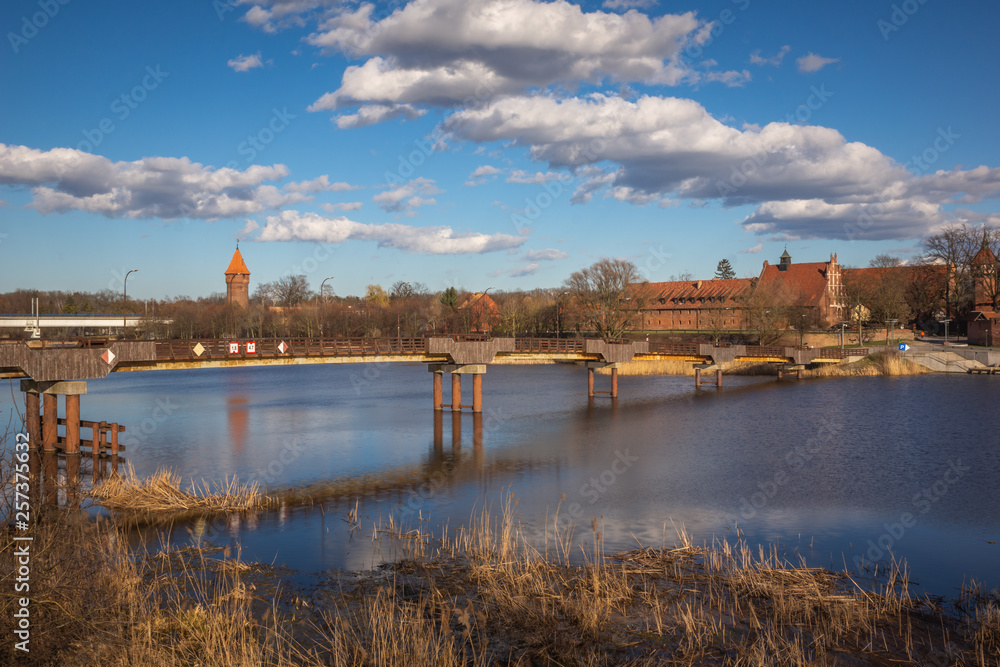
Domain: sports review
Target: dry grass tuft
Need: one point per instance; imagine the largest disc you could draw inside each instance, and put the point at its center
(653, 367)
(878, 364)
(986, 634)
(161, 493)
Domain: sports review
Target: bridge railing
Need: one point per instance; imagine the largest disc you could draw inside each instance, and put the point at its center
(221, 348)
(765, 351)
(678, 349)
(553, 345)
(837, 353)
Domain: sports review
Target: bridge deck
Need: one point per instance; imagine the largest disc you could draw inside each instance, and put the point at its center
(226, 353)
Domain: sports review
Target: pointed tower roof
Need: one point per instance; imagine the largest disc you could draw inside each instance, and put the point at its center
(237, 265)
(785, 255)
(985, 255)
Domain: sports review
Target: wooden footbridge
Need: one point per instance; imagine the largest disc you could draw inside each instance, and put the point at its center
(49, 369)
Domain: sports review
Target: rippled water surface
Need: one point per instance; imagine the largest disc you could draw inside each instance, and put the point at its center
(832, 469)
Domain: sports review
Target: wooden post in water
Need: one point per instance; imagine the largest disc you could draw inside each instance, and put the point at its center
(72, 424)
(50, 422)
(477, 393)
(114, 448)
(73, 450)
(456, 392)
(614, 382)
(590, 382)
(718, 378)
(95, 450)
(438, 390)
(33, 426)
(32, 418)
(697, 378)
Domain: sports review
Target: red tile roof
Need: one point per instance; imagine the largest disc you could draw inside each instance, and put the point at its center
(804, 284)
(936, 274)
(695, 293)
(984, 256)
(237, 265)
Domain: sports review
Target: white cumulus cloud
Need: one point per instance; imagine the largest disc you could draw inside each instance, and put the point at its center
(297, 226)
(418, 192)
(65, 179)
(246, 63)
(814, 63)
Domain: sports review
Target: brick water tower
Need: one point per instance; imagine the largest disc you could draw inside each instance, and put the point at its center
(237, 281)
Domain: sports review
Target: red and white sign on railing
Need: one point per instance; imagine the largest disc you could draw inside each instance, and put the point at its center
(251, 348)
(234, 348)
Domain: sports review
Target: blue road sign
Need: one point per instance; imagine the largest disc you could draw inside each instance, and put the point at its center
(903, 347)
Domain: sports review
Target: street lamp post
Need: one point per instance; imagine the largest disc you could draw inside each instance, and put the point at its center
(843, 325)
(559, 312)
(890, 326)
(946, 321)
(398, 334)
(802, 330)
(125, 301)
(322, 302)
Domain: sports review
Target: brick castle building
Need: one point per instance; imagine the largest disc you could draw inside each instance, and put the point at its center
(816, 289)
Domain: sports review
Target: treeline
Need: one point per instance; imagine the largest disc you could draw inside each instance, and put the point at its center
(605, 298)
(289, 308)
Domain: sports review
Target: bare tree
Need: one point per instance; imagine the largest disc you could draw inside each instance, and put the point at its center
(401, 289)
(886, 290)
(608, 302)
(954, 246)
(765, 312)
(292, 290)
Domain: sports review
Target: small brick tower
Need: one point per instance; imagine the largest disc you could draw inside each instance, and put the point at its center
(984, 267)
(237, 281)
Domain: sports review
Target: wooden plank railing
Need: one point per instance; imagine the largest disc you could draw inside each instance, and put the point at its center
(675, 349)
(548, 345)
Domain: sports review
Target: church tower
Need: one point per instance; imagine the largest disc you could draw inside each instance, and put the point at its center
(237, 281)
(984, 277)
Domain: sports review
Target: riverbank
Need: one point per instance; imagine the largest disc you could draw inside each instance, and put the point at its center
(483, 596)
(876, 364)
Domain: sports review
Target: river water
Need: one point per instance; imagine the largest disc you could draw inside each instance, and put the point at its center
(835, 470)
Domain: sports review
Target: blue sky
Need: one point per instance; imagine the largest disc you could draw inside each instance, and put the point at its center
(483, 143)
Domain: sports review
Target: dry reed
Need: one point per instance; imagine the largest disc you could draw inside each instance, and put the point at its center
(161, 494)
(877, 364)
(487, 595)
